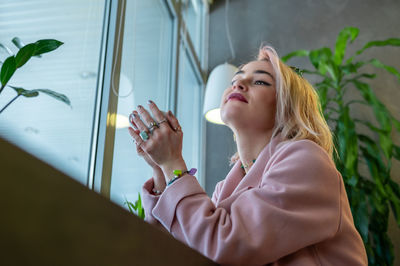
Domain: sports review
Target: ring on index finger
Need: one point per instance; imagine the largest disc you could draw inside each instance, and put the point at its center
(153, 125)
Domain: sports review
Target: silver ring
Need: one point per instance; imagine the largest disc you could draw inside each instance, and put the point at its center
(162, 121)
(153, 125)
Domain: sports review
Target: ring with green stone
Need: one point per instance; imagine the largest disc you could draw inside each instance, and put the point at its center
(143, 134)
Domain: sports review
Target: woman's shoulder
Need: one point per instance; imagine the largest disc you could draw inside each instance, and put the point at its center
(305, 151)
(303, 147)
(301, 161)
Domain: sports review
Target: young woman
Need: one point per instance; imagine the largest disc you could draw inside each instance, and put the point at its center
(282, 203)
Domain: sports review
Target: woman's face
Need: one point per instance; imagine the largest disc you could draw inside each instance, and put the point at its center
(251, 100)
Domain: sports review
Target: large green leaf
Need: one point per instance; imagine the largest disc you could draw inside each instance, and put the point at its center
(381, 113)
(24, 54)
(341, 43)
(361, 213)
(396, 124)
(378, 173)
(352, 67)
(390, 42)
(348, 143)
(45, 46)
(390, 69)
(56, 95)
(394, 197)
(322, 60)
(7, 70)
(25, 93)
(298, 53)
(35, 92)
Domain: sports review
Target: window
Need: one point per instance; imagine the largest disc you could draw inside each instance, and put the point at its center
(160, 61)
(145, 74)
(45, 127)
(189, 110)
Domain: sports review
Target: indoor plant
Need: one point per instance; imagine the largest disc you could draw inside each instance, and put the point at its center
(371, 193)
(24, 54)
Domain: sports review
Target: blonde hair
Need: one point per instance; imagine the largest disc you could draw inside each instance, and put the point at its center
(298, 110)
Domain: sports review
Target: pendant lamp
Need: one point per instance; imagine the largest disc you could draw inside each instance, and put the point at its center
(220, 78)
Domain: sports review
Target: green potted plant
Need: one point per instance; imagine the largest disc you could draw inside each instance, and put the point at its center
(371, 193)
(24, 54)
(136, 208)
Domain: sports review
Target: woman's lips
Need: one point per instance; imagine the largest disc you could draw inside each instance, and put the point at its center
(237, 96)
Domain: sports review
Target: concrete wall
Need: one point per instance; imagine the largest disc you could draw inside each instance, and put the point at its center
(290, 25)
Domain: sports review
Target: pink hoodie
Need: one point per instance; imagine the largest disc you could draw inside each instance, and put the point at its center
(290, 209)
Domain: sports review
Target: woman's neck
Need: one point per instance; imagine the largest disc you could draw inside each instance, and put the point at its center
(249, 146)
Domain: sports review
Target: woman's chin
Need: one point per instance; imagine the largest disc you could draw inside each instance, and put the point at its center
(231, 117)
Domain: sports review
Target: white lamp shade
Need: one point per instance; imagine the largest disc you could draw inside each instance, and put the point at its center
(220, 79)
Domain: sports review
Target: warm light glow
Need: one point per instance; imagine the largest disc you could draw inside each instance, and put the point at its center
(122, 121)
(214, 117)
(219, 79)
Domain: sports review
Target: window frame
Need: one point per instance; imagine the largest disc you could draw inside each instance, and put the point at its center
(100, 170)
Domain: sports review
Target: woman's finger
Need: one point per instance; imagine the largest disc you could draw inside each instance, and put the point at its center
(132, 122)
(138, 140)
(173, 122)
(157, 114)
(146, 117)
(138, 122)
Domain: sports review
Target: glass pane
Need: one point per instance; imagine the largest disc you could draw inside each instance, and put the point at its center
(191, 12)
(145, 72)
(45, 127)
(189, 111)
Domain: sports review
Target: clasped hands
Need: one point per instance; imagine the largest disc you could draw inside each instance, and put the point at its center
(159, 141)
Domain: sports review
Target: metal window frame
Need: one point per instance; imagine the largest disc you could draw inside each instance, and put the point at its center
(100, 170)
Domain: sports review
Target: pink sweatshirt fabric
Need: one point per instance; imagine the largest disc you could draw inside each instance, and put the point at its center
(291, 208)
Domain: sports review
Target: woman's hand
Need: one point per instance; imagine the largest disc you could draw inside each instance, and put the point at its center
(160, 139)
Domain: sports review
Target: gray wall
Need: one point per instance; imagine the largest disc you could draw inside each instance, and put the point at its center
(290, 25)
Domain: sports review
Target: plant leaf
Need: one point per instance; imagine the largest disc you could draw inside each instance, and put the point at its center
(348, 143)
(390, 69)
(341, 43)
(56, 95)
(381, 113)
(298, 53)
(391, 42)
(394, 196)
(45, 46)
(25, 93)
(322, 60)
(7, 70)
(24, 54)
(396, 124)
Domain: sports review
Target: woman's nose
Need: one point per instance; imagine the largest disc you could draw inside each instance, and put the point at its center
(238, 86)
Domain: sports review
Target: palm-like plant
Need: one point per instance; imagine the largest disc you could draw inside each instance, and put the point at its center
(371, 193)
(24, 54)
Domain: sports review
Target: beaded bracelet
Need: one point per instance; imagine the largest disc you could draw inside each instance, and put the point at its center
(179, 173)
(156, 192)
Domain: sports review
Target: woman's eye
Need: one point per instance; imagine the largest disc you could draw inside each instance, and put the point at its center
(260, 82)
(233, 82)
